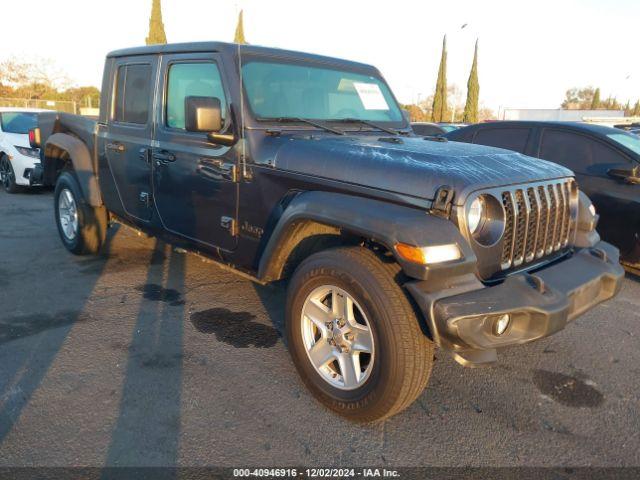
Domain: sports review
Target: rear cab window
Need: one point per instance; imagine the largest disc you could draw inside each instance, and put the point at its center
(132, 92)
(509, 138)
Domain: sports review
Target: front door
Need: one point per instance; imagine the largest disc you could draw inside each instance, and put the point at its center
(194, 184)
(130, 133)
(615, 200)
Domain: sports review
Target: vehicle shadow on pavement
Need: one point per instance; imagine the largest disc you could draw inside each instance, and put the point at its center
(148, 426)
(25, 372)
(273, 299)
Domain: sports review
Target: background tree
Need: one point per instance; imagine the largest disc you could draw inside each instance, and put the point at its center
(239, 36)
(416, 114)
(595, 102)
(156, 27)
(578, 98)
(41, 80)
(473, 92)
(636, 109)
(440, 111)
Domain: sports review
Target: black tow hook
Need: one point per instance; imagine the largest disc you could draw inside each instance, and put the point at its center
(537, 283)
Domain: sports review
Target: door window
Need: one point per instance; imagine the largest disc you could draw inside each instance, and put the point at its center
(187, 80)
(578, 152)
(132, 96)
(510, 138)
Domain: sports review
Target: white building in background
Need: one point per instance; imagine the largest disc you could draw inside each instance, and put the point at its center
(558, 115)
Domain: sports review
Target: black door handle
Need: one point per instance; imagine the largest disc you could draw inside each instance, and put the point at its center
(216, 169)
(164, 157)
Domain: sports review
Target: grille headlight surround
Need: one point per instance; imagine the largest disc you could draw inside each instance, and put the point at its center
(486, 220)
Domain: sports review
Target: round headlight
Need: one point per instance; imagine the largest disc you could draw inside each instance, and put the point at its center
(485, 220)
(475, 216)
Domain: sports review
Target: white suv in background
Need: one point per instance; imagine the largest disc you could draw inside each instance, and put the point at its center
(17, 158)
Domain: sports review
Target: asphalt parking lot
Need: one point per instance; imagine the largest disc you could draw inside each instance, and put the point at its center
(153, 357)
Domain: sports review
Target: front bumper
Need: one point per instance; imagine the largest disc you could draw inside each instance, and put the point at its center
(540, 303)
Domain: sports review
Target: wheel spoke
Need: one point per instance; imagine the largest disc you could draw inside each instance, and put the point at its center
(318, 314)
(363, 342)
(68, 199)
(338, 303)
(348, 369)
(321, 353)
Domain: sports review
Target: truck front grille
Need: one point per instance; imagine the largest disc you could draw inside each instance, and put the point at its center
(537, 222)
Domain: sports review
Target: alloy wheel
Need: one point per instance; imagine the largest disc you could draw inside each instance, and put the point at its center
(68, 214)
(337, 337)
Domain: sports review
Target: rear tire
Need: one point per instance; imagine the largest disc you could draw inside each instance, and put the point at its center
(8, 175)
(396, 370)
(82, 228)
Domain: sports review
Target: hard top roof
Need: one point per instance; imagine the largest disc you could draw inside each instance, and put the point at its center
(232, 49)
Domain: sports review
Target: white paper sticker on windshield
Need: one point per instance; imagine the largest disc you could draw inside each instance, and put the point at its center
(371, 96)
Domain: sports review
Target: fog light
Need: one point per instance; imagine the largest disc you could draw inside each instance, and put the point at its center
(501, 324)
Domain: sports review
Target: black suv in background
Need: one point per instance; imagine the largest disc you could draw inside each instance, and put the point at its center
(606, 162)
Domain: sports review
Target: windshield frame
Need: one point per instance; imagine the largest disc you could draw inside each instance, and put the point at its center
(17, 112)
(338, 65)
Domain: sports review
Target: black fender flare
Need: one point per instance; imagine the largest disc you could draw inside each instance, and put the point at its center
(382, 222)
(82, 161)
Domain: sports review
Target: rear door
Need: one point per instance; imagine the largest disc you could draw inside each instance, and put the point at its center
(194, 184)
(130, 133)
(591, 159)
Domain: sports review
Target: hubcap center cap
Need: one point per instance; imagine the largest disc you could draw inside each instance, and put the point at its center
(341, 335)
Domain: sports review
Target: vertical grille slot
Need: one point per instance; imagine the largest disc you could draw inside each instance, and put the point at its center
(553, 218)
(507, 250)
(521, 228)
(533, 225)
(537, 222)
(544, 222)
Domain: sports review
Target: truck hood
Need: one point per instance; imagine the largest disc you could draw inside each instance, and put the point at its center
(413, 166)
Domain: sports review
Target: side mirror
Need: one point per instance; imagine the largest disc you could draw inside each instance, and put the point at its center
(628, 173)
(35, 138)
(203, 114)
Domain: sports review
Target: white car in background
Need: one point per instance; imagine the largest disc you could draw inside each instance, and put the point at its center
(17, 158)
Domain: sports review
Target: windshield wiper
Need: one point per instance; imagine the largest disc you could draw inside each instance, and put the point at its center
(369, 124)
(304, 120)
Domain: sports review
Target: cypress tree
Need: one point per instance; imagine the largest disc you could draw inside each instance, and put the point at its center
(439, 111)
(473, 92)
(156, 27)
(239, 36)
(595, 103)
(636, 109)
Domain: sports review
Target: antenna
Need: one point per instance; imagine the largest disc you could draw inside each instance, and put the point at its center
(242, 126)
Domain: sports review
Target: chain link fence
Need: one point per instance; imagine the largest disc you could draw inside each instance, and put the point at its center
(58, 105)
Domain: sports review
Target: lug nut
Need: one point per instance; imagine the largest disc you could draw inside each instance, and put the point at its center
(348, 336)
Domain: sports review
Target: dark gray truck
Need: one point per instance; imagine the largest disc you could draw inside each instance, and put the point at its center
(296, 167)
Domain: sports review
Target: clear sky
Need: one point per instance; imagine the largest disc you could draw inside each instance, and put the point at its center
(530, 52)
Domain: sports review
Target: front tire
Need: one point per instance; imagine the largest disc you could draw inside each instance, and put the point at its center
(82, 228)
(354, 336)
(8, 175)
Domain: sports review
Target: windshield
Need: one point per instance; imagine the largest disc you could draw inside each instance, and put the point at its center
(18, 122)
(632, 142)
(280, 90)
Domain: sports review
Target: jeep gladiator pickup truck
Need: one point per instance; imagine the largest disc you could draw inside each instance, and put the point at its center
(285, 165)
